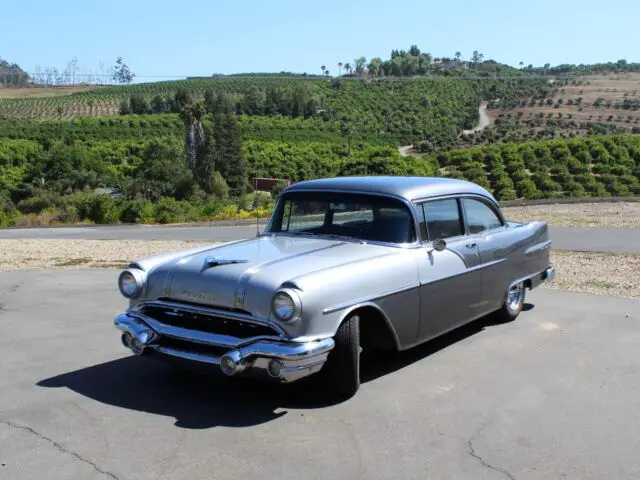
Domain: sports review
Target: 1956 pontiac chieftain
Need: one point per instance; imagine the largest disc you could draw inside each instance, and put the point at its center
(344, 264)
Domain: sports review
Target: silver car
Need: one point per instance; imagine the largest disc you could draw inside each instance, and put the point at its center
(344, 264)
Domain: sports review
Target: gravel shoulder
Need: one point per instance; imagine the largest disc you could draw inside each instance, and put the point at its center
(50, 253)
(600, 273)
(616, 214)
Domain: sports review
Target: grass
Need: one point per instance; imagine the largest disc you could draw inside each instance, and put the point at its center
(600, 284)
(72, 262)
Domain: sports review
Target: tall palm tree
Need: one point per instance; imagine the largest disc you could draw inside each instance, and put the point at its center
(339, 68)
(323, 68)
(347, 67)
(458, 56)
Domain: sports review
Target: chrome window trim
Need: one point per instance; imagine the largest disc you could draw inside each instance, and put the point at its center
(491, 205)
(404, 200)
(459, 196)
(420, 203)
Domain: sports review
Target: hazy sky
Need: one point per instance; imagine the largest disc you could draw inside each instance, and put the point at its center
(167, 38)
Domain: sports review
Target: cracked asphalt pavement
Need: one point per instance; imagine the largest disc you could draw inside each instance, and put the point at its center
(552, 395)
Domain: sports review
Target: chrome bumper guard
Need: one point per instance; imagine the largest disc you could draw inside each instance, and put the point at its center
(549, 273)
(270, 357)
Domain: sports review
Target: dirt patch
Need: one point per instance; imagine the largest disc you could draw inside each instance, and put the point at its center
(619, 214)
(601, 273)
(36, 92)
(593, 100)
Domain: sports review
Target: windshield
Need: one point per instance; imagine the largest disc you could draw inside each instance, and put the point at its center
(358, 216)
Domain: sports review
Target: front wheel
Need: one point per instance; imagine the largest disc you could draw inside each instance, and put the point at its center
(514, 301)
(342, 369)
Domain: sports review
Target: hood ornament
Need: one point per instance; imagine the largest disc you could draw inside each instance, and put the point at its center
(215, 261)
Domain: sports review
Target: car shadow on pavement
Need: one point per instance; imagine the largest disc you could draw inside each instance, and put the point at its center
(379, 364)
(203, 400)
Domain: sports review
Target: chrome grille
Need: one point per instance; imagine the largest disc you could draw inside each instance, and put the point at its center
(209, 323)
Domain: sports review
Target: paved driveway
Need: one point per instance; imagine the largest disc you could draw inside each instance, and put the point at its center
(552, 395)
(619, 240)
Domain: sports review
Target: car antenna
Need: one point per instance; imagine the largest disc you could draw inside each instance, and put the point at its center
(255, 202)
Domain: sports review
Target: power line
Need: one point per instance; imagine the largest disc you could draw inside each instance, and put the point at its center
(67, 76)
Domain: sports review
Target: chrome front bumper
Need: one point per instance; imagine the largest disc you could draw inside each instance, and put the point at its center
(267, 357)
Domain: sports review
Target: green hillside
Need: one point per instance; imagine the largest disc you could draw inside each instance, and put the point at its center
(431, 108)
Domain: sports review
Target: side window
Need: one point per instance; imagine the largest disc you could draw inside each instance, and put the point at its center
(442, 219)
(480, 216)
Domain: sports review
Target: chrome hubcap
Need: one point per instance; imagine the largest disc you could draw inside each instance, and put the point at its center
(515, 297)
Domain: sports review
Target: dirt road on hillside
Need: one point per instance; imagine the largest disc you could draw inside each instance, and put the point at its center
(483, 122)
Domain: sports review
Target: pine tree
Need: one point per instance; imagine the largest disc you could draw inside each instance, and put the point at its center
(229, 160)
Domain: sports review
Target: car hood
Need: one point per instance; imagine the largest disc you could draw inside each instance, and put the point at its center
(221, 276)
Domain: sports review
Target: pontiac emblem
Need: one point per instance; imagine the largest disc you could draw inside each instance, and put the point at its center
(198, 295)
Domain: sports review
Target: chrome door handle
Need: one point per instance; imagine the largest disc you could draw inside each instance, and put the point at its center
(471, 245)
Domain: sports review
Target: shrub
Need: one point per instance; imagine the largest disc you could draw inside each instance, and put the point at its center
(219, 186)
(136, 211)
(169, 210)
(100, 209)
(506, 194)
(38, 203)
(574, 189)
(527, 189)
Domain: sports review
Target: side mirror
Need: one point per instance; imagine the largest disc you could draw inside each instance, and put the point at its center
(439, 245)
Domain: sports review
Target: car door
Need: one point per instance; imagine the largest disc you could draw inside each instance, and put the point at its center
(450, 282)
(487, 230)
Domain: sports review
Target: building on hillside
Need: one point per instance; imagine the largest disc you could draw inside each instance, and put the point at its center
(267, 184)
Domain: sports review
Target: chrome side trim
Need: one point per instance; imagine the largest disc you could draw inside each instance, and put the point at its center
(185, 307)
(538, 247)
(468, 270)
(351, 303)
(485, 265)
(371, 298)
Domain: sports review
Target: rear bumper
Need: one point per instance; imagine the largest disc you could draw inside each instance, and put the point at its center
(544, 276)
(268, 357)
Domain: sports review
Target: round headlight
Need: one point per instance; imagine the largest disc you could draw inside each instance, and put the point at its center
(285, 307)
(130, 283)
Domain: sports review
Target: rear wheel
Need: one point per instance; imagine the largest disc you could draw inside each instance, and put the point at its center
(342, 369)
(514, 301)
